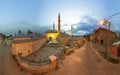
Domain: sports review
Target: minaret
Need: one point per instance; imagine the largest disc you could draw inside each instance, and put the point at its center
(53, 26)
(59, 22)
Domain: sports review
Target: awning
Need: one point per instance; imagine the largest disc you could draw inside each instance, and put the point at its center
(116, 43)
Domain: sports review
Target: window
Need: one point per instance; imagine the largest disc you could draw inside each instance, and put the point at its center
(101, 42)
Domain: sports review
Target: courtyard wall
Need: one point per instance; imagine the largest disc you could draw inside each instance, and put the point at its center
(37, 67)
(25, 47)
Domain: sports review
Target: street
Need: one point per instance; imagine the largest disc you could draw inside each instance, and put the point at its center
(86, 61)
(7, 64)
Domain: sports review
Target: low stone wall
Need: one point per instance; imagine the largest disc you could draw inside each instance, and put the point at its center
(68, 50)
(37, 67)
(26, 47)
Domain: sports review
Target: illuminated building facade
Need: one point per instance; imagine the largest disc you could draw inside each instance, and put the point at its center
(53, 34)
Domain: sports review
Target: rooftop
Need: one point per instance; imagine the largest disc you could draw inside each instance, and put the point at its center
(28, 40)
(52, 31)
(95, 31)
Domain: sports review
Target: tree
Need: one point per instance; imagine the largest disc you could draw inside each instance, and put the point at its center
(19, 32)
(29, 32)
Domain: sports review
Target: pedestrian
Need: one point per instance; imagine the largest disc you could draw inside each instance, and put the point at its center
(118, 52)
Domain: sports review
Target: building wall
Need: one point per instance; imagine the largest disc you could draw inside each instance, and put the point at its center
(53, 35)
(64, 38)
(25, 48)
(8, 41)
(91, 37)
(1, 39)
(101, 37)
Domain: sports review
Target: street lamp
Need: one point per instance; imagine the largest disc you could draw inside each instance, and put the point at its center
(105, 22)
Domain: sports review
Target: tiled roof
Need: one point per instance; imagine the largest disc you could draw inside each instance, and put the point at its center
(21, 35)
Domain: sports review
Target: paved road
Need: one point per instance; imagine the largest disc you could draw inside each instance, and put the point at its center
(7, 64)
(86, 61)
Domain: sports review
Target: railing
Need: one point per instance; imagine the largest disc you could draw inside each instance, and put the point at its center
(45, 61)
(60, 54)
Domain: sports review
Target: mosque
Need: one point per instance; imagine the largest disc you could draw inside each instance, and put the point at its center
(52, 35)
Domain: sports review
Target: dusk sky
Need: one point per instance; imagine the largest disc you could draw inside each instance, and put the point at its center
(39, 15)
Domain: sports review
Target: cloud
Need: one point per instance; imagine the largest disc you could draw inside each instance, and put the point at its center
(85, 26)
(24, 26)
(115, 25)
(88, 24)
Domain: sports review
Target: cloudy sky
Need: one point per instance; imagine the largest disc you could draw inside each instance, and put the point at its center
(39, 15)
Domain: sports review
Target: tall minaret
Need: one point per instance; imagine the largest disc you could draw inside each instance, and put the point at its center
(59, 22)
(53, 26)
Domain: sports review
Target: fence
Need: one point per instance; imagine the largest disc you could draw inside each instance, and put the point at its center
(39, 63)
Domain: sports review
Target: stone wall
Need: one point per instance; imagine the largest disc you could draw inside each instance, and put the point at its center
(23, 38)
(26, 47)
(64, 38)
(101, 37)
(77, 44)
(37, 67)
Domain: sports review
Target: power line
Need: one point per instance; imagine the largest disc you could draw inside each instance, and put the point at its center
(108, 18)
